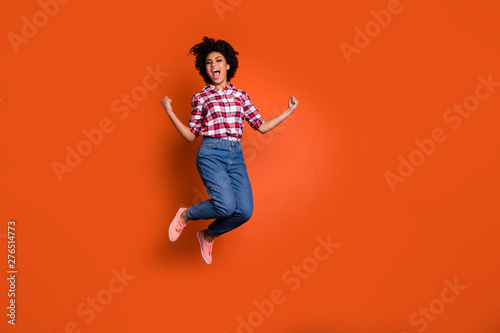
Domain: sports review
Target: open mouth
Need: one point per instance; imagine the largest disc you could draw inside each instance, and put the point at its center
(216, 74)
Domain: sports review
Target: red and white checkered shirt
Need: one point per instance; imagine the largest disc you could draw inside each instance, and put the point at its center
(220, 114)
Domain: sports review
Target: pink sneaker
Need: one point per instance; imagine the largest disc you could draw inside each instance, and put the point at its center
(177, 226)
(206, 247)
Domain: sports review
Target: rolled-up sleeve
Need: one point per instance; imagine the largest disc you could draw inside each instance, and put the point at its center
(196, 119)
(252, 115)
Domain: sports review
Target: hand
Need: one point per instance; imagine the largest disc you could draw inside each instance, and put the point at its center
(166, 104)
(293, 103)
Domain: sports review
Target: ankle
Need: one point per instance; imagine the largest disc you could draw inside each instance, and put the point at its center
(209, 238)
(184, 216)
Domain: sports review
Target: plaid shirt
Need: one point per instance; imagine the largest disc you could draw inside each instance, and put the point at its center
(220, 114)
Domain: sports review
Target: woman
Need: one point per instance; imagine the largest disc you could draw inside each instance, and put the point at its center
(218, 114)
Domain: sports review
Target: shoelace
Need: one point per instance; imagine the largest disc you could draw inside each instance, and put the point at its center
(210, 248)
(181, 226)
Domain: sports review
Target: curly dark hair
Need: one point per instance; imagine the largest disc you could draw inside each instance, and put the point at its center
(201, 50)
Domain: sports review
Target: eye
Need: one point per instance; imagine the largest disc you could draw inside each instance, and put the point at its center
(219, 60)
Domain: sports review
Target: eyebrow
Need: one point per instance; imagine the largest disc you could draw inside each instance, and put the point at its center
(215, 58)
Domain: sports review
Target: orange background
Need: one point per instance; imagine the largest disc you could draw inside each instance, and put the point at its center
(320, 174)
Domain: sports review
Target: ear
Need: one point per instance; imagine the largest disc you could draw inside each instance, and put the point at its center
(227, 67)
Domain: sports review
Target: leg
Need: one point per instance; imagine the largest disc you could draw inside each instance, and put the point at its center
(244, 199)
(212, 166)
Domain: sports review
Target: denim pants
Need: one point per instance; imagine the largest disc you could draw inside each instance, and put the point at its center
(224, 174)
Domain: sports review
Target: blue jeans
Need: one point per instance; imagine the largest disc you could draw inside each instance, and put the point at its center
(224, 174)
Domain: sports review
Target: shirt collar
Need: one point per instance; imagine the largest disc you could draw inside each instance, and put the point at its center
(210, 87)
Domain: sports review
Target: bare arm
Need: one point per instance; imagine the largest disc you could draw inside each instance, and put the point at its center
(273, 122)
(181, 128)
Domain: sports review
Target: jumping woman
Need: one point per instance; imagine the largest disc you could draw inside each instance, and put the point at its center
(217, 114)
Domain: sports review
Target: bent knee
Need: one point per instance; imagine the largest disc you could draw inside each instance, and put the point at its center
(246, 214)
(225, 209)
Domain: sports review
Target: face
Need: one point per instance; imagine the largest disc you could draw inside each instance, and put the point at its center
(217, 67)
